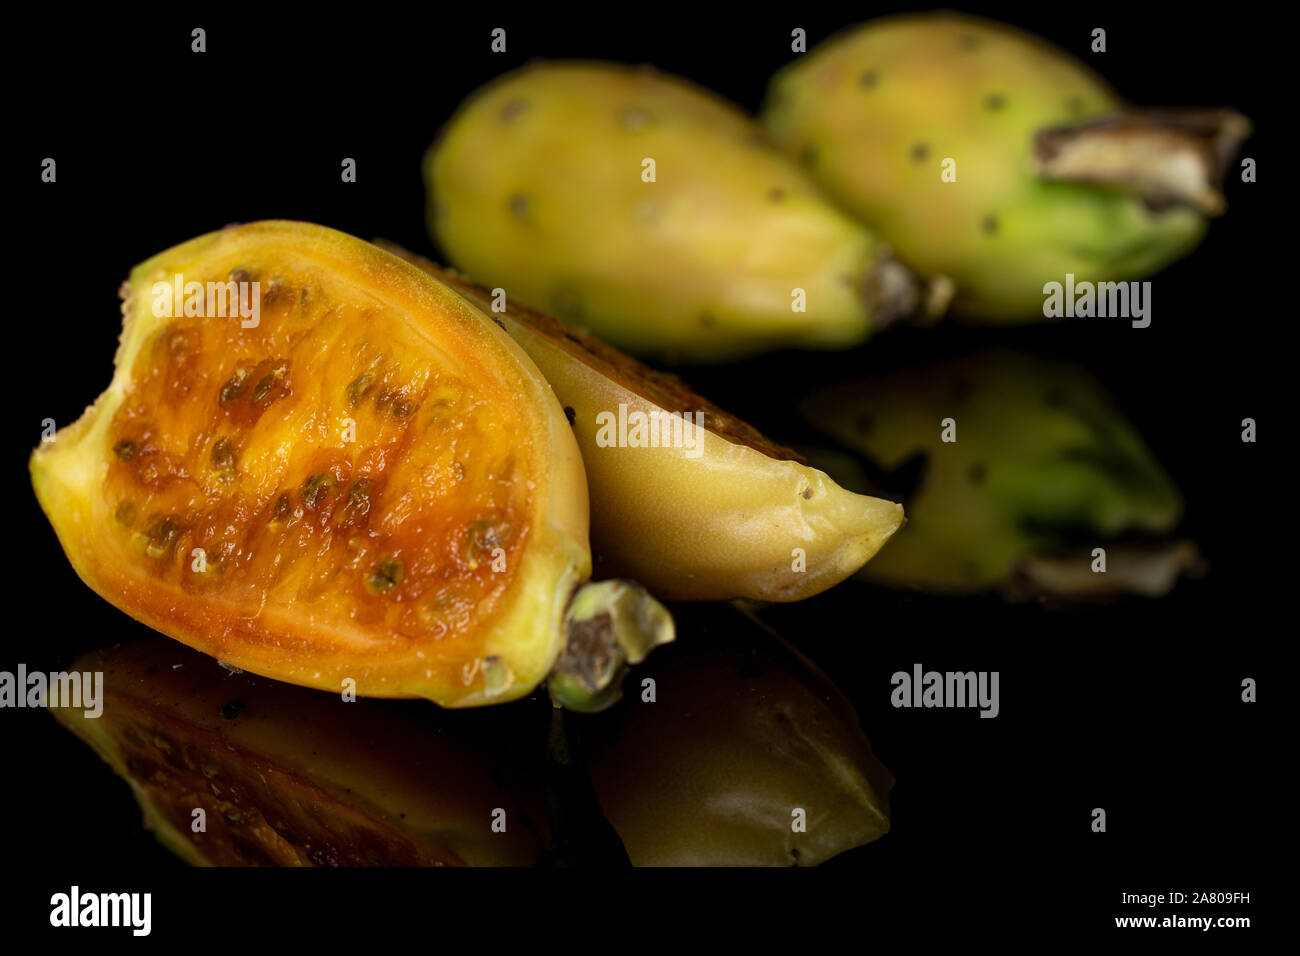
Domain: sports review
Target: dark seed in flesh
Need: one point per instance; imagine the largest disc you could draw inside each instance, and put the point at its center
(358, 502)
(235, 386)
(125, 450)
(162, 537)
(266, 383)
(386, 576)
(359, 387)
(481, 538)
(223, 456)
(315, 489)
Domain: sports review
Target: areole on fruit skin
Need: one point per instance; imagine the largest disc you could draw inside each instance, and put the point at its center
(296, 598)
(1052, 173)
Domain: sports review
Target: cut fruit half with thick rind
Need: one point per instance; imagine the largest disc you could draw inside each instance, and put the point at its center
(366, 482)
(725, 513)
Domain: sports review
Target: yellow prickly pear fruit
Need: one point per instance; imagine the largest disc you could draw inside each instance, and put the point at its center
(985, 155)
(654, 214)
(707, 512)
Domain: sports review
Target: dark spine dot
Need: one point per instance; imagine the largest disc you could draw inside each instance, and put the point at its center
(995, 101)
(1074, 105)
(519, 205)
(777, 194)
(512, 109)
(968, 42)
(635, 118)
(978, 472)
(233, 709)
(989, 225)
(919, 152)
(808, 156)
(868, 79)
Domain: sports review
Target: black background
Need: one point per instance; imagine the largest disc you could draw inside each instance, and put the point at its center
(1135, 707)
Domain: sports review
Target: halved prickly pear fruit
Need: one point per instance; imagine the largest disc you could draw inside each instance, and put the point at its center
(362, 480)
(1021, 468)
(654, 213)
(712, 512)
(985, 155)
(289, 777)
(743, 740)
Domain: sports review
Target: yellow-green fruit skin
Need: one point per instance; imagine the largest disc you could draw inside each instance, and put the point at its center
(538, 186)
(877, 111)
(1036, 452)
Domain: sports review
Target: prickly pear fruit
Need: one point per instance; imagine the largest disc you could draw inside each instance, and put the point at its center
(290, 777)
(1024, 468)
(652, 213)
(744, 733)
(365, 480)
(724, 513)
(985, 155)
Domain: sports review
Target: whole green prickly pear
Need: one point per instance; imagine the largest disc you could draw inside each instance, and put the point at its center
(985, 155)
(1021, 467)
(653, 213)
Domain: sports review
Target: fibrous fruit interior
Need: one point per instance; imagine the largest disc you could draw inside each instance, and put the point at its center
(372, 482)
